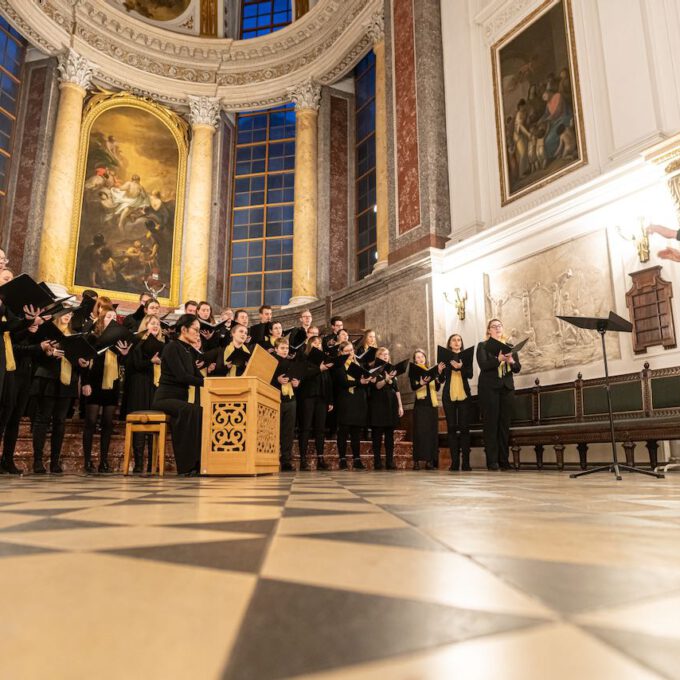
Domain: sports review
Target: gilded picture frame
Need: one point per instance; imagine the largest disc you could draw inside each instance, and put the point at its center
(539, 120)
(126, 233)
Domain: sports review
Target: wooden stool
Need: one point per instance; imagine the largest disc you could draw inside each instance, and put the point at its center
(154, 423)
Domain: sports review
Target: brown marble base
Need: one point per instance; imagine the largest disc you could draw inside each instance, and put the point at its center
(72, 452)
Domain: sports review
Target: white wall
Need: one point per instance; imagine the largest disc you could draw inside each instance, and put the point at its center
(629, 60)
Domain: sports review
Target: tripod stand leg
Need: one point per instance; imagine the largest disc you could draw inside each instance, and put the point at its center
(601, 468)
(630, 468)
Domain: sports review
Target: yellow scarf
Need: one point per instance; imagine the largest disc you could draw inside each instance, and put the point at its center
(421, 392)
(156, 374)
(65, 369)
(11, 364)
(287, 390)
(110, 370)
(456, 389)
(191, 397)
(228, 351)
(349, 377)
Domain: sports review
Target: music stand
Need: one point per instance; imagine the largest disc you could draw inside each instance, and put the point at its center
(615, 324)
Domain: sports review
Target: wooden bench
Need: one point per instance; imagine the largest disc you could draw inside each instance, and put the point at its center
(154, 423)
(646, 409)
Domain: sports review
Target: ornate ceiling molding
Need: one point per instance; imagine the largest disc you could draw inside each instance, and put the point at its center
(323, 46)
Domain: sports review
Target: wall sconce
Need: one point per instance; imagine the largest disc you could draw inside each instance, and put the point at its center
(641, 239)
(459, 302)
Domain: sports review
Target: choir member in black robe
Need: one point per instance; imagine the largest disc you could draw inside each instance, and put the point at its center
(224, 367)
(496, 389)
(259, 333)
(331, 338)
(16, 391)
(132, 321)
(101, 388)
(178, 395)
(385, 409)
(142, 376)
(299, 335)
(288, 409)
(352, 407)
(315, 400)
(425, 415)
(456, 402)
(54, 388)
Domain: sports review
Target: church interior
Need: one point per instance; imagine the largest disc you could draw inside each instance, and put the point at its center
(467, 212)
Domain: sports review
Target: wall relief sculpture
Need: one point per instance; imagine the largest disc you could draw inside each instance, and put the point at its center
(571, 279)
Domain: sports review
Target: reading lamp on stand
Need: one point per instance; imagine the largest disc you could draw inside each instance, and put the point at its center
(615, 324)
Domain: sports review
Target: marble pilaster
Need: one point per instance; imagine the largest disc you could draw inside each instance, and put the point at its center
(307, 97)
(204, 116)
(53, 265)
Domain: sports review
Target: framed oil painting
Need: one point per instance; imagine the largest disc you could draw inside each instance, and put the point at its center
(127, 229)
(539, 123)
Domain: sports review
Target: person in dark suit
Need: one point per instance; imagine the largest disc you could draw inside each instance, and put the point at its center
(300, 334)
(385, 409)
(456, 402)
(260, 332)
(178, 395)
(496, 390)
(351, 406)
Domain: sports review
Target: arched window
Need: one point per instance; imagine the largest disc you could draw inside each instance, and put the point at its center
(261, 265)
(12, 51)
(366, 235)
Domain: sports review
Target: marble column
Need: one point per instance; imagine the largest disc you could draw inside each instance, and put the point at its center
(75, 75)
(376, 31)
(307, 97)
(204, 115)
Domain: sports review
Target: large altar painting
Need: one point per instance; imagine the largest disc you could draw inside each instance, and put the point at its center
(538, 107)
(572, 279)
(128, 217)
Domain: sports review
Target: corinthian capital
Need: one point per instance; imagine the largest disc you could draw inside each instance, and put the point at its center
(75, 69)
(204, 110)
(376, 27)
(306, 95)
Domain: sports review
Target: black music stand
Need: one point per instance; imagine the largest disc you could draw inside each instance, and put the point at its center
(616, 324)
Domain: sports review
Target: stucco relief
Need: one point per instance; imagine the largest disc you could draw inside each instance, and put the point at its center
(572, 279)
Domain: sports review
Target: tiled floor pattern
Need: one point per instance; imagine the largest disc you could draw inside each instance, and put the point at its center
(509, 576)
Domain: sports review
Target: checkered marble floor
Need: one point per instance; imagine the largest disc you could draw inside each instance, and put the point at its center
(509, 576)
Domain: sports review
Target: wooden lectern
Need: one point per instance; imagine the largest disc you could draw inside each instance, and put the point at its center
(241, 421)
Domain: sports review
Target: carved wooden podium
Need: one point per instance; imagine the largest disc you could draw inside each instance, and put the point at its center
(241, 423)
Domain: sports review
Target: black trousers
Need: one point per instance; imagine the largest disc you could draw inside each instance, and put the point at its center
(354, 434)
(425, 432)
(378, 434)
(312, 416)
(496, 406)
(50, 410)
(13, 412)
(287, 429)
(139, 442)
(185, 428)
(458, 430)
(91, 413)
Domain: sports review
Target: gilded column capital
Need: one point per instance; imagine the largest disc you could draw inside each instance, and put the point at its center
(376, 28)
(75, 69)
(306, 95)
(204, 111)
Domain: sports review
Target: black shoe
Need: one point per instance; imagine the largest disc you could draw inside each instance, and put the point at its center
(191, 473)
(505, 466)
(90, 469)
(391, 466)
(466, 468)
(357, 464)
(10, 468)
(287, 467)
(39, 468)
(305, 466)
(56, 469)
(378, 466)
(321, 464)
(493, 468)
(453, 468)
(343, 463)
(104, 467)
(429, 466)
(416, 465)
